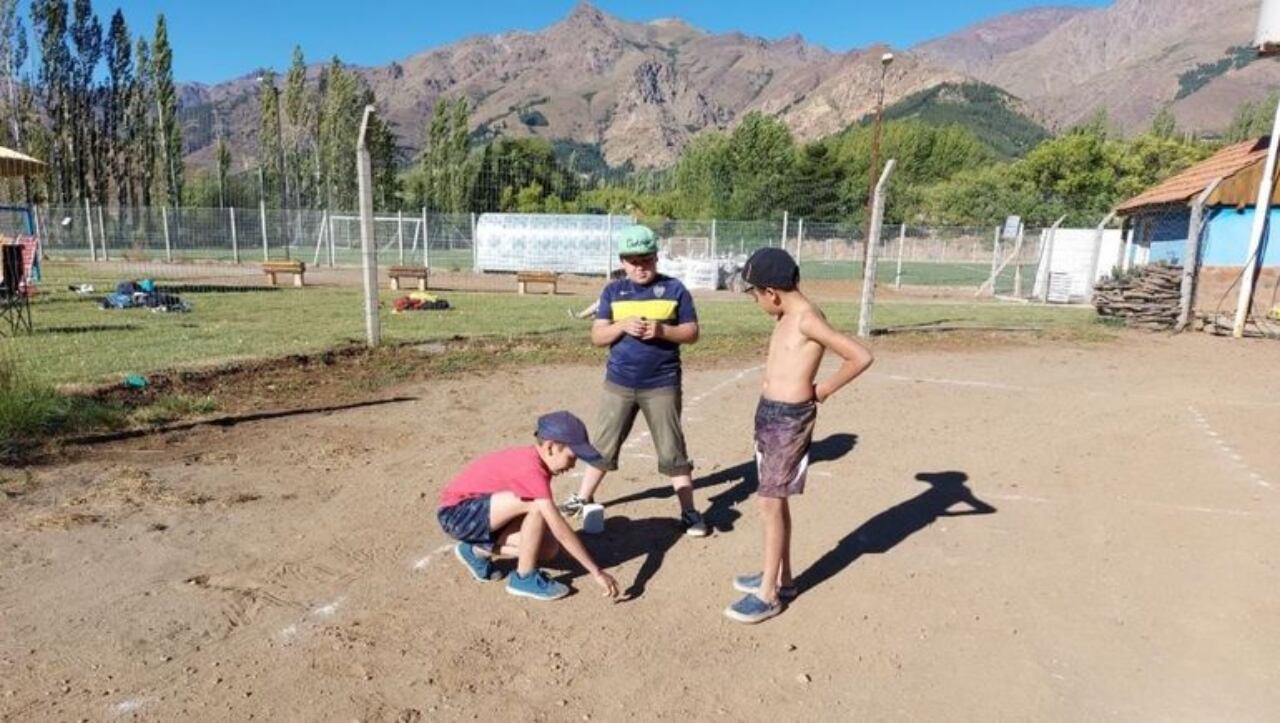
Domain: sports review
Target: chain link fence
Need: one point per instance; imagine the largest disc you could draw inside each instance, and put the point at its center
(212, 299)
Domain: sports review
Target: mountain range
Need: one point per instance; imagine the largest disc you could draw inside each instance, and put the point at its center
(639, 91)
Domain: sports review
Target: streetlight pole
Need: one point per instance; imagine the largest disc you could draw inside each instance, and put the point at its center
(874, 171)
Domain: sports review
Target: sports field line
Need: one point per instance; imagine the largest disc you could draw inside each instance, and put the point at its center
(1236, 459)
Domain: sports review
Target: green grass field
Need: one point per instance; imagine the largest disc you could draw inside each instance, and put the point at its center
(76, 341)
(918, 273)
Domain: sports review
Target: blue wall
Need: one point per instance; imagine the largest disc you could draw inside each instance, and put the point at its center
(1226, 237)
(1227, 240)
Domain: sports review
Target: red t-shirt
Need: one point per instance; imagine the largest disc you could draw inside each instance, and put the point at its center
(518, 470)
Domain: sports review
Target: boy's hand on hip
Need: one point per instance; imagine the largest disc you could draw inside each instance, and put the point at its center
(606, 581)
(821, 393)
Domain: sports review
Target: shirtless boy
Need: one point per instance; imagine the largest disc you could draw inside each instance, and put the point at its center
(785, 418)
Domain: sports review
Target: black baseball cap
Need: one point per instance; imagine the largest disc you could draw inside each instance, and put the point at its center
(771, 268)
(566, 428)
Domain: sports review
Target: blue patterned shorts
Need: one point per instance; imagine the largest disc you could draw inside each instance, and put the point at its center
(467, 521)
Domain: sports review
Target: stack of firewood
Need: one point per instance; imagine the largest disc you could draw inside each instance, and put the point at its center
(1149, 297)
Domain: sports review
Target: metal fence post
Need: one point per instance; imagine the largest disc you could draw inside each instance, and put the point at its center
(400, 235)
(368, 246)
(873, 235)
(88, 219)
(102, 232)
(902, 240)
(235, 246)
(426, 241)
(1017, 262)
(714, 253)
(799, 239)
(608, 246)
(784, 230)
(168, 248)
(995, 251)
(262, 217)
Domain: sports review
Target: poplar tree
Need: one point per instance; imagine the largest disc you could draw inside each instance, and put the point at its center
(119, 52)
(143, 131)
(167, 100)
(268, 134)
(86, 35)
(49, 18)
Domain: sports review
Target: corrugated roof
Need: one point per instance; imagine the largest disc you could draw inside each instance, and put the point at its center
(13, 163)
(1185, 186)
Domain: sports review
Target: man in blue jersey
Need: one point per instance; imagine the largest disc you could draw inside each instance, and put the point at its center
(643, 319)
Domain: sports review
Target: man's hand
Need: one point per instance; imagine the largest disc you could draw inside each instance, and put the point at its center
(652, 330)
(606, 581)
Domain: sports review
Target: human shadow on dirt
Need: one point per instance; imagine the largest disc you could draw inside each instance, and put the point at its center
(890, 527)
(625, 539)
(720, 513)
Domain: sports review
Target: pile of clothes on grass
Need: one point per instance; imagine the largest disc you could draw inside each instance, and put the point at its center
(419, 301)
(144, 294)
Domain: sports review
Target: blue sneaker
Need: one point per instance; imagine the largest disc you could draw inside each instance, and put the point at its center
(751, 609)
(751, 583)
(479, 567)
(536, 585)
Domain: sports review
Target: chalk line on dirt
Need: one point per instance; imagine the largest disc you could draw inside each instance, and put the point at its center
(1225, 449)
(961, 383)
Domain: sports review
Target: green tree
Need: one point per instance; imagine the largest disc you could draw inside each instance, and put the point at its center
(167, 100)
(269, 149)
(1164, 125)
(762, 157)
(49, 18)
(143, 130)
(119, 53)
(90, 166)
(223, 156)
(339, 131)
(1252, 119)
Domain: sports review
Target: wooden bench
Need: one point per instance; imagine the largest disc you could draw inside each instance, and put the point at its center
(408, 272)
(524, 278)
(297, 268)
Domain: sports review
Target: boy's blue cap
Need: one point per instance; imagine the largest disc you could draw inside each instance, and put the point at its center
(771, 268)
(565, 428)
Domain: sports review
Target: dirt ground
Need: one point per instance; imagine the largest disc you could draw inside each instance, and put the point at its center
(1038, 532)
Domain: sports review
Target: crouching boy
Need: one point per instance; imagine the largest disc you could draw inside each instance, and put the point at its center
(501, 506)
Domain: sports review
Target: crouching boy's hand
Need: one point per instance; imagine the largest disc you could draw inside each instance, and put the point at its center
(568, 540)
(606, 581)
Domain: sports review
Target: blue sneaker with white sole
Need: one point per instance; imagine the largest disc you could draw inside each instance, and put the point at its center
(536, 585)
(751, 583)
(481, 568)
(751, 609)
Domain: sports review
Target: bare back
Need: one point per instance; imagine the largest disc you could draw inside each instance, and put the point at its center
(794, 358)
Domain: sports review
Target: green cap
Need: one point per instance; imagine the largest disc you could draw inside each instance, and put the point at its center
(637, 240)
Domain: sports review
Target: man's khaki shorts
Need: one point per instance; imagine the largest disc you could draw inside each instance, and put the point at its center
(661, 408)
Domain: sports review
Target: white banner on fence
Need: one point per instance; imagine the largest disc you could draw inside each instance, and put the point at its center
(568, 243)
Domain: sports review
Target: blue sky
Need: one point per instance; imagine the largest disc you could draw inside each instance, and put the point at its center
(216, 41)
